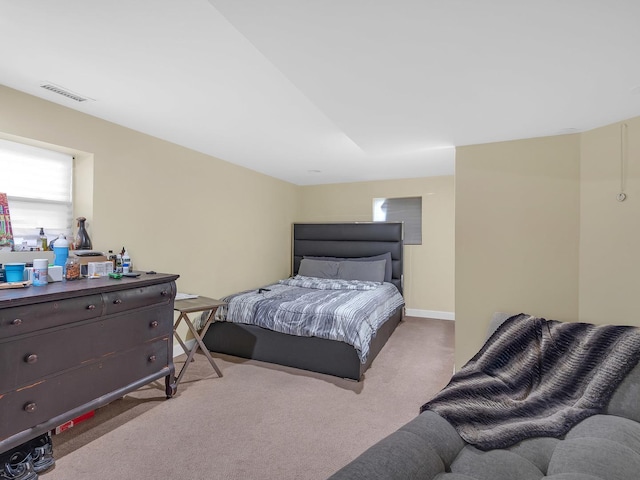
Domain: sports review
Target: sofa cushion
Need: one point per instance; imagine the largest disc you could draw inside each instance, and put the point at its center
(494, 465)
(595, 456)
(573, 476)
(452, 476)
(609, 427)
(537, 450)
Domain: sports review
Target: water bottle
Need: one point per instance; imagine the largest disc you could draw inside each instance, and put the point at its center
(60, 251)
(126, 262)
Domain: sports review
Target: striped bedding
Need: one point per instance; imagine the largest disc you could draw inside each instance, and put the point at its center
(348, 311)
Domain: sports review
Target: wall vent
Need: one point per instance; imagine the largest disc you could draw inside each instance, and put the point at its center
(63, 91)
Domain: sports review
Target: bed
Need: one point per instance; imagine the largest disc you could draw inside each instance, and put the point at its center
(345, 243)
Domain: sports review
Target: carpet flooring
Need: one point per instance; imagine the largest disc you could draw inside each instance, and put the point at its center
(259, 421)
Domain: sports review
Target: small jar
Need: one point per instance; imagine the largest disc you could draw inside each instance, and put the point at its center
(72, 268)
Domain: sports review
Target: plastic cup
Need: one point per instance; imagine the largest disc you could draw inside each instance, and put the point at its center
(14, 272)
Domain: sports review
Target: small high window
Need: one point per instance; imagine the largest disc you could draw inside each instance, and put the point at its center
(405, 209)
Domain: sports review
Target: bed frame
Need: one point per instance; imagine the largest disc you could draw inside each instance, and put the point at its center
(348, 240)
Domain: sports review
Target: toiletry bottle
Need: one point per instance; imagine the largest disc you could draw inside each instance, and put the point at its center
(126, 262)
(118, 263)
(112, 258)
(42, 240)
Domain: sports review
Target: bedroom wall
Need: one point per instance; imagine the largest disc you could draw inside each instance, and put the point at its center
(429, 268)
(222, 227)
(609, 230)
(516, 233)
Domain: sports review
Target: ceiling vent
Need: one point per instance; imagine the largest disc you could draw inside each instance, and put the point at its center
(63, 91)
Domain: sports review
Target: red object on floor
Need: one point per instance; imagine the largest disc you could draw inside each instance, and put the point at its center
(75, 421)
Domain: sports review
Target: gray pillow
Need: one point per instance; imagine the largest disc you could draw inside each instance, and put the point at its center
(318, 268)
(388, 268)
(367, 271)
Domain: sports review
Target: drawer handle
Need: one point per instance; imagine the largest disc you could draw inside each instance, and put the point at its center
(117, 302)
(31, 359)
(91, 307)
(152, 358)
(154, 324)
(16, 321)
(164, 293)
(30, 407)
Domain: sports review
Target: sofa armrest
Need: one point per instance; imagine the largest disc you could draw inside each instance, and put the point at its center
(624, 401)
(498, 319)
(421, 449)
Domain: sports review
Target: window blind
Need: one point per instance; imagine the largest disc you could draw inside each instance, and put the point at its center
(38, 184)
(407, 210)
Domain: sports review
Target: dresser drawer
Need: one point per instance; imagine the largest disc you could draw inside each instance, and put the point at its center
(124, 300)
(53, 396)
(38, 316)
(25, 360)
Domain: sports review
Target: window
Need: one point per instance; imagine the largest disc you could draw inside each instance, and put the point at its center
(407, 210)
(38, 184)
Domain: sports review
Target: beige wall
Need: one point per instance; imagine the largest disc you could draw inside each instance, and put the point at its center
(609, 230)
(516, 233)
(429, 268)
(222, 227)
(537, 226)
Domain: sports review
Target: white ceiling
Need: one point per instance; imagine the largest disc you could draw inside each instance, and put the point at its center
(331, 91)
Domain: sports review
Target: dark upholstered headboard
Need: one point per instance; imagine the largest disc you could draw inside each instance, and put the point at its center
(350, 240)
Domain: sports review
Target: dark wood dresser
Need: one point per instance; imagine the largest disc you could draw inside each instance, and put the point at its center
(69, 347)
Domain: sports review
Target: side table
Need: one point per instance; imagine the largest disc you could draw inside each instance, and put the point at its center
(194, 305)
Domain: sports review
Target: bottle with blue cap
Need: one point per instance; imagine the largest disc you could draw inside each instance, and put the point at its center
(60, 251)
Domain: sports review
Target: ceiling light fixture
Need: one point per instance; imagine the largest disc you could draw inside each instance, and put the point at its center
(567, 131)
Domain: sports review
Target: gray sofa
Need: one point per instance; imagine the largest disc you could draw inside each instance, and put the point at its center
(601, 447)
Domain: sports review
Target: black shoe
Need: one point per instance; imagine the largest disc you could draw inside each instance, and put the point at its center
(18, 466)
(42, 453)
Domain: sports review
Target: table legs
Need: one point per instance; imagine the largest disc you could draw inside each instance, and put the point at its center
(198, 335)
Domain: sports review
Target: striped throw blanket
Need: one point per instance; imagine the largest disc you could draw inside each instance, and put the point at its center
(536, 378)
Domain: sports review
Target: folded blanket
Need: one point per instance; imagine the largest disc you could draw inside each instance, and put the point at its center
(536, 377)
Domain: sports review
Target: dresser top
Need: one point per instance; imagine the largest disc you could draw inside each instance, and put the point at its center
(84, 286)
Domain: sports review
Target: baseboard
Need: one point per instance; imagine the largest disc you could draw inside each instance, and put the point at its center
(177, 349)
(413, 312)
